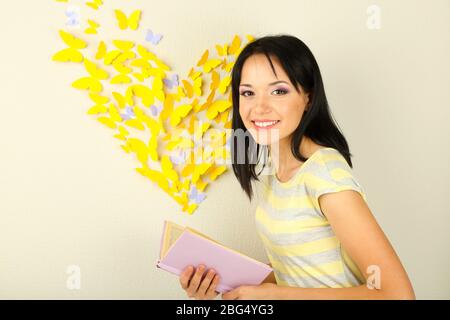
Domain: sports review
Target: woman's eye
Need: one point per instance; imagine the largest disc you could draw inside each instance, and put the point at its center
(283, 91)
(244, 92)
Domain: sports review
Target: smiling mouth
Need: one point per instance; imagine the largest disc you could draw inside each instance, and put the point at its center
(266, 124)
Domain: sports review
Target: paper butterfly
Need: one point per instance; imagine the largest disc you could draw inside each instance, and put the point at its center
(94, 4)
(93, 26)
(124, 22)
(153, 37)
(178, 158)
(72, 53)
(155, 110)
(196, 196)
(73, 17)
(128, 113)
(173, 82)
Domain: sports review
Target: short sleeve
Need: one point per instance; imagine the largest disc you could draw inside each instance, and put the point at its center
(336, 175)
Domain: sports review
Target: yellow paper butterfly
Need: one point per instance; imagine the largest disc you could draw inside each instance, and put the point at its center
(101, 51)
(120, 79)
(123, 133)
(217, 107)
(124, 22)
(215, 80)
(93, 26)
(227, 66)
(123, 45)
(95, 4)
(120, 99)
(143, 92)
(194, 74)
(99, 99)
(91, 83)
(70, 54)
(88, 83)
(139, 148)
(224, 83)
(155, 176)
(114, 116)
(124, 56)
(222, 50)
(215, 171)
(99, 106)
(203, 59)
(111, 56)
(190, 89)
(95, 71)
(121, 68)
(72, 41)
(179, 113)
(196, 170)
(180, 143)
(167, 169)
(210, 64)
(235, 45)
(200, 184)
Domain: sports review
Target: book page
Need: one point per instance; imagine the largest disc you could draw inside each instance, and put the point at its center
(171, 234)
(201, 234)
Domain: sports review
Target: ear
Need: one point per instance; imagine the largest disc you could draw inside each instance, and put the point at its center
(307, 105)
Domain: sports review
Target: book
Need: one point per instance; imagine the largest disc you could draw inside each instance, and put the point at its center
(184, 246)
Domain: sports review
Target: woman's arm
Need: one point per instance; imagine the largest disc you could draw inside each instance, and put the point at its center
(364, 241)
(367, 245)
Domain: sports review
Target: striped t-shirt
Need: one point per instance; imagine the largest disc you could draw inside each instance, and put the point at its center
(297, 237)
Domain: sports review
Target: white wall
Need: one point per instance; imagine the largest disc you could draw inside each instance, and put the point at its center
(70, 196)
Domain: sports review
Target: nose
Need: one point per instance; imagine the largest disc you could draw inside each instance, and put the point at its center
(262, 105)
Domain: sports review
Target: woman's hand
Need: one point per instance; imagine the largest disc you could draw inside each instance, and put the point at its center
(264, 291)
(191, 281)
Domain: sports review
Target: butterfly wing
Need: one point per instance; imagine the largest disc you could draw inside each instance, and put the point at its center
(121, 19)
(68, 55)
(88, 83)
(71, 41)
(133, 21)
(94, 71)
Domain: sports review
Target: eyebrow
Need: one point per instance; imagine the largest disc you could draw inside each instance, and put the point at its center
(270, 84)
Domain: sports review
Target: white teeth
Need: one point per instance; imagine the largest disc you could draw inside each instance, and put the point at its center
(265, 124)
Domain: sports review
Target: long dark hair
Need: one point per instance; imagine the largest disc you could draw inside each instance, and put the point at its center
(317, 123)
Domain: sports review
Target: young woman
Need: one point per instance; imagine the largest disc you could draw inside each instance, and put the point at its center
(319, 234)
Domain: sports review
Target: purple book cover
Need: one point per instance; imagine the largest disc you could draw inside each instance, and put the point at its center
(234, 269)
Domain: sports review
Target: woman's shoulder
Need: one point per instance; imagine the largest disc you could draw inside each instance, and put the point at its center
(333, 173)
(326, 165)
(329, 158)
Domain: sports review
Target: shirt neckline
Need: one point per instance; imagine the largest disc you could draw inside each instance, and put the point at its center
(300, 169)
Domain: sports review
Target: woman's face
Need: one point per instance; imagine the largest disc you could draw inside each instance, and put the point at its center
(270, 107)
